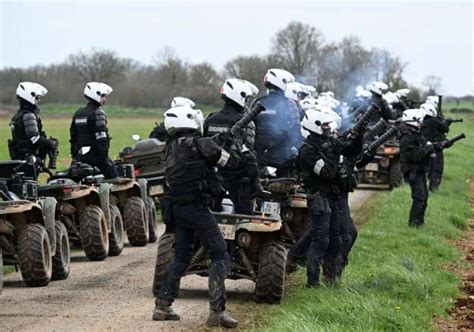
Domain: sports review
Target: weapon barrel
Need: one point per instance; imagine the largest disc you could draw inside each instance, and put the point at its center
(247, 118)
(382, 139)
(456, 138)
(363, 122)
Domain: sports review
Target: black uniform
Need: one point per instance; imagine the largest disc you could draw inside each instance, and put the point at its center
(386, 111)
(159, 132)
(434, 129)
(318, 161)
(399, 107)
(415, 159)
(28, 137)
(241, 181)
(89, 129)
(278, 136)
(191, 185)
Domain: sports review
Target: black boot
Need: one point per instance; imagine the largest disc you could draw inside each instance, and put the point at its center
(163, 311)
(221, 318)
(291, 265)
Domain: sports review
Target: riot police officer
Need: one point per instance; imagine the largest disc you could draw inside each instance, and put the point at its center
(318, 163)
(278, 135)
(28, 137)
(159, 132)
(377, 90)
(434, 129)
(415, 154)
(90, 140)
(190, 186)
(242, 182)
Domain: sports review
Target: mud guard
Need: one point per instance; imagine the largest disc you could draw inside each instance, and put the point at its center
(143, 183)
(48, 205)
(104, 194)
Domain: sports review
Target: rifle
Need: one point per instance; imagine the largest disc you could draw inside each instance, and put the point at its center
(449, 120)
(362, 123)
(440, 104)
(393, 131)
(374, 130)
(449, 142)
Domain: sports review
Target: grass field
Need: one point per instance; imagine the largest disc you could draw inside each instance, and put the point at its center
(395, 280)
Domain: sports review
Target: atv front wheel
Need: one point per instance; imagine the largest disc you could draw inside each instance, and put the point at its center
(34, 255)
(136, 222)
(62, 257)
(94, 235)
(271, 274)
(116, 236)
(163, 259)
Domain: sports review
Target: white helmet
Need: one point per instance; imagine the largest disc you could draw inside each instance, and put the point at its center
(429, 109)
(363, 93)
(278, 77)
(309, 103)
(330, 94)
(294, 90)
(413, 117)
(95, 90)
(252, 87)
(336, 118)
(237, 90)
(377, 87)
(311, 89)
(433, 100)
(325, 100)
(402, 93)
(315, 122)
(390, 97)
(182, 101)
(29, 91)
(183, 117)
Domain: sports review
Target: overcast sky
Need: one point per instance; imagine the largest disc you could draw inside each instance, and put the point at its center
(433, 37)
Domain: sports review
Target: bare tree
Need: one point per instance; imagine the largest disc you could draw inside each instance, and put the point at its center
(388, 68)
(297, 47)
(103, 65)
(251, 68)
(433, 84)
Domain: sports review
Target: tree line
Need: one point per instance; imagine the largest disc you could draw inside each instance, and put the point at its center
(299, 48)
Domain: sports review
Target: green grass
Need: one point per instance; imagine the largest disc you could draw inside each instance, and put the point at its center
(113, 110)
(463, 104)
(395, 280)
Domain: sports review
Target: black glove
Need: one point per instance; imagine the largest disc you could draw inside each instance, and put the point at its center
(447, 144)
(225, 140)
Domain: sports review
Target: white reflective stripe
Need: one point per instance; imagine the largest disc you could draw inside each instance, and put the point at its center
(224, 158)
(319, 166)
(101, 134)
(341, 159)
(35, 139)
(80, 120)
(84, 150)
(245, 148)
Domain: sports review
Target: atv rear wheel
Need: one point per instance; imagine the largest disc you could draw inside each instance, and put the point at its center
(152, 222)
(116, 236)
(395, 175)
(62, 257)
(94, 235)
(163, 259)
(136, 222)
(34, 255)
(271, 274)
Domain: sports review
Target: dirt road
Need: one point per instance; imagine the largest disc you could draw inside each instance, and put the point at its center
(111, 295)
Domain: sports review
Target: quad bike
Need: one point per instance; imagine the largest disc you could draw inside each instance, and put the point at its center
(148, 158)
(137, 207)
(385, 168)
(254, 250)
(285, 197)
(85, 210)
(30, 236)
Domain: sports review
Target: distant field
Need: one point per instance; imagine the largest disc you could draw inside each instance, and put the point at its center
(68, 110)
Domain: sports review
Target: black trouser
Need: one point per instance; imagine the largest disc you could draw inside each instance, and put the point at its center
(419, 195)
(436, 170)
(100, 160)
(348, 232)
(190, 219)
(325, 237)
